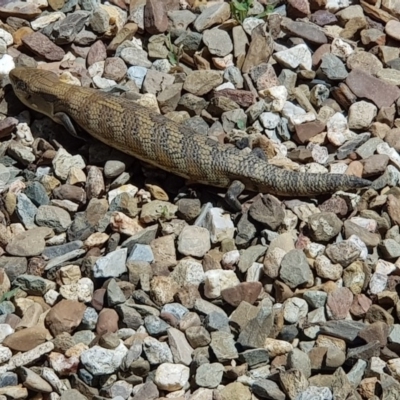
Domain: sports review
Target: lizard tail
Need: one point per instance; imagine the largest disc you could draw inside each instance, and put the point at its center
(290, 183)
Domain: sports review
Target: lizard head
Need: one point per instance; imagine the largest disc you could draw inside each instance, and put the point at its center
(33, 87)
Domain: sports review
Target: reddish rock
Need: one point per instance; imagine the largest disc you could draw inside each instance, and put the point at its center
(304, 132)
(376, 331)
(364, 85)
(339, 303)
(26, 339)
(98, 299)
(375, 165)
(298, 8)
(244, 98)
(43, 47)
(65, 316)
(323, 17)
(393, 203)
(245, 291)
(360, 306)
(107, 322)
(155, 17)
(337, 205)
(7, 125)
(97, 52)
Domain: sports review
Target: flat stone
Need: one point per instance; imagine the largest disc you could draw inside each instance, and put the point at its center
(365, 85)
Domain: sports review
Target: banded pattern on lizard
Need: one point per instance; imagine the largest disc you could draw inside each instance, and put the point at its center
(159, 141)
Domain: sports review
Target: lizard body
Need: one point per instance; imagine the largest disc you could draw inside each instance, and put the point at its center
(157, 140)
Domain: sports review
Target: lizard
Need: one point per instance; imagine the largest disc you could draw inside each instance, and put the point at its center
(157, 140)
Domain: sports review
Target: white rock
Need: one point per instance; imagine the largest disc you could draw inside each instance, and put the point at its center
(394, 366)
(294, 309)
(361, 114)
(338, 130)
(5, 330)
(188, 271)
(277, 347)
(46, 20)
(225, 85)
(100, 361)
(289, 110)
(162, 65)
(278, 96)
(103, 83)
(314, 250)
(255, 272)
(5, 354)
(270, 120)
(137, 74)
(51, 297)
(384, 267)
(96, 69)
(111, 265)
(171, 377)
(361, 245)
(367, 223)
(219, 225)
(6, 64)
(320, 154)
(384, 148)
(378, 282)
(294, 57)
(336, 5)
(63, 162)
(7, 37)
(85, 290)
(194, 241)
(338, 168)
(130, 189)
(217, 280)
(250, 23)
(341, 49)
(230, 258)
(302, 118)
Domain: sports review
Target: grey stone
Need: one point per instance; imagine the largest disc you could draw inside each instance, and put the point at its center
(13, 266)
(267, 389)
(57, 251)
(89, 319)
(26, 211)
(254, 358)
(324, 226)
(218, 42)
(209, 375)
(157, 352)
(223, 346)
(141, 252)
(114, 294)
(112, 265)
(53, 217)
(352, 145)
(36, 192)
(136, 57)
(333, 67)
(295, 270)
(70, 26)
(255, 332)
(34, 285)
(216, 321)
(345, 329)
(155, 326)
(250, 255)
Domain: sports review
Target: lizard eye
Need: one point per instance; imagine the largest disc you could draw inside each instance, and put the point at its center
(21, 85)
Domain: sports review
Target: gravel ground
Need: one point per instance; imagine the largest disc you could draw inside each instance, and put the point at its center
(118, 281)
